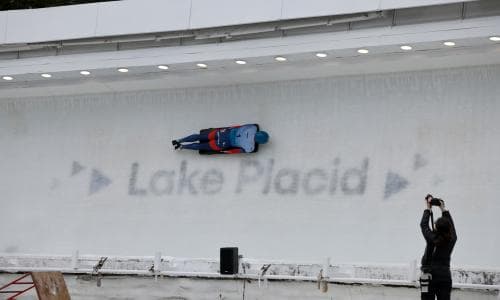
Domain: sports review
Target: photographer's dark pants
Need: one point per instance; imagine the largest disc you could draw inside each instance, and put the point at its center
(440, 286)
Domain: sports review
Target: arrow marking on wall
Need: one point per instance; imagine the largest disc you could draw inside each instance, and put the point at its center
(394, 183)
(98, 181)
(76, 168)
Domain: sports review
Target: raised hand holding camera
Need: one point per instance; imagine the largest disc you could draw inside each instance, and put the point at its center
(434, 201)
(428, 199)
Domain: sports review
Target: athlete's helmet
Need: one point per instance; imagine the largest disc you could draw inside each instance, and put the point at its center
(261, 137)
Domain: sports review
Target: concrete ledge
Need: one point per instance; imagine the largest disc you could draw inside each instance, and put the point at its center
(136, 287)
(369, 274)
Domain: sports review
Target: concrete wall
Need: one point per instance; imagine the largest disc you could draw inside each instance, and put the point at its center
(126, 287)
(344, 175)
(135, 17)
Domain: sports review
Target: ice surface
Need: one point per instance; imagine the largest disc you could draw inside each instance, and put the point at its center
(343, 176)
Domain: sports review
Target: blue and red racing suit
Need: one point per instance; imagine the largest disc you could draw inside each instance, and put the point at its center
(230, 140)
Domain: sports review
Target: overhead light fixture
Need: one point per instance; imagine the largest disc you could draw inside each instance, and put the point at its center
(406, 47)
(203, 66)
(46, 75)
(363, 51)
(163, 67)
(241, 62)
(85, 73)
(321, 55)
(122, 70)
(8, 78)
(449, 44)
(495, 38)
(280, 58)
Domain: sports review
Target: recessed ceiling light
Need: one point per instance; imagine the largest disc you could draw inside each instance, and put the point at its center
(321, 55)
(7, 78)
(45, 75)
(123, 70)
(495, 38)
(363, 51)
(280, 58)
(163, 67)
(203, 66)
(449, 44)
(85, 73)
(406, 47)
(241, 62)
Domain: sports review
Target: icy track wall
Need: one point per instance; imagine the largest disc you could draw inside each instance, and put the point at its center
(344, 175)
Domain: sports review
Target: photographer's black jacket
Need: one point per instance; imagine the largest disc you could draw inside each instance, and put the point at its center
(437, 257)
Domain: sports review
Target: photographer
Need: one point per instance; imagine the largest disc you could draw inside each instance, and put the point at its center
(436, 274)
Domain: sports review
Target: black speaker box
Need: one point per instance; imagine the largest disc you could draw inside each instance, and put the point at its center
(229, 260)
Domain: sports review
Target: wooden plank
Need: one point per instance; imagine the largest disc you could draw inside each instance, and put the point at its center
(50, 286)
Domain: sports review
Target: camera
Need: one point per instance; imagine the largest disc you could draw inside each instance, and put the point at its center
(425, 280)
(434, 201)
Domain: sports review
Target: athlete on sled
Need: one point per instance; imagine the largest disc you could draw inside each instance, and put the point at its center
(225, 140)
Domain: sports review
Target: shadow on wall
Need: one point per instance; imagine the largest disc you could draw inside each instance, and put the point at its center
(28, 4)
